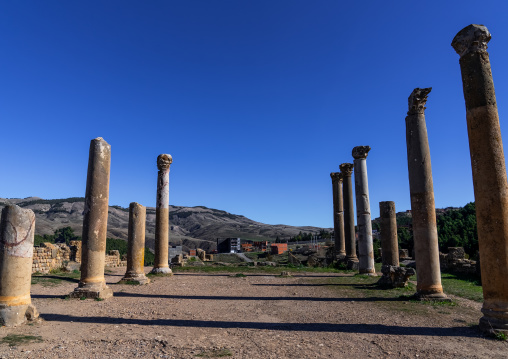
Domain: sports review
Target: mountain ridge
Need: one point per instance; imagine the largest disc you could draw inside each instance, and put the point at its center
(191, 227)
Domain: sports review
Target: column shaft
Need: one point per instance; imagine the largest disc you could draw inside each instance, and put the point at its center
(95, 222)
(17, 230)
(136, 245)
(422, 199)
(489, 173)
(338, 214)
(389, 243)
(349, 219)
(365, 243)
(161, 265)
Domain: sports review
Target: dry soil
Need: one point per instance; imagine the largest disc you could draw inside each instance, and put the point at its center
(195, 315)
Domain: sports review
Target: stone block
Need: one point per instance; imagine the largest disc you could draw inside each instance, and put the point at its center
(396, 277)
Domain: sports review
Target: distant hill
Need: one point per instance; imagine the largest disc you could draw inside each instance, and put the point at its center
(192, 227)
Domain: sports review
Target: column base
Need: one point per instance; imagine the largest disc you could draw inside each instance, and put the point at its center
(436, 297)
(352, 264)
(368, 272)
(92, 291)
(493, 321)
(11, 316)
(162, 270)
(136, 277)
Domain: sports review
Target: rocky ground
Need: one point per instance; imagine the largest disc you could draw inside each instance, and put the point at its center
(193, 315)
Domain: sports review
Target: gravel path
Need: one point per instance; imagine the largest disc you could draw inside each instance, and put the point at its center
(192, 315)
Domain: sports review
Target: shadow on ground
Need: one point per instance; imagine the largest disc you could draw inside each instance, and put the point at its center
(301, 327)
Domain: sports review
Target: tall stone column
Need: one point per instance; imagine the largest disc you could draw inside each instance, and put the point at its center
(136, 245)
(365, 243)
(389, 243)
(349, 220)
(95, 223)
(161, 265)
(489, 173)
(338, 214)
(17, 229)
(423, 208)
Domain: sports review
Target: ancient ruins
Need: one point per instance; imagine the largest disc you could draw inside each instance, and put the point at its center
(365, 244)
(338, 215)
(17, 229)
(136, 245)
(389, 243)
(422, 199)
(95, 221)
(161, 265)
(17, 225)
(489, 172)
(349, 220)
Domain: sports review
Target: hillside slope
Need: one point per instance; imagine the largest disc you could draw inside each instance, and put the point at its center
(192, 227)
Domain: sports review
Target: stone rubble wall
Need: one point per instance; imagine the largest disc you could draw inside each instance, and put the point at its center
(455, 261)
(52, 256)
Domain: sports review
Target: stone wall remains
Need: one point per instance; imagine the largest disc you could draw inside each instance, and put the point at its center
(52, 256)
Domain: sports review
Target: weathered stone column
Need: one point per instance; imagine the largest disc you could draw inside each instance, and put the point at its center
(489, 173)
(17, 230)
(95, 223)
(349, 220)
(422, 199)
(338, 214)
(389, 243)
(136, 245)
(161, 265)
(365, 243)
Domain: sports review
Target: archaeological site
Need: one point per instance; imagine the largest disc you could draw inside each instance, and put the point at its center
(81, 278)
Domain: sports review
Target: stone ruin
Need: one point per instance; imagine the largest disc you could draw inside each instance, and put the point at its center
(181, 259)
(455, 261)
(396, 277)
(54, 256)
(313, 257)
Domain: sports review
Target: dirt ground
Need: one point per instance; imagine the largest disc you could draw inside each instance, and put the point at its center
(197, 315)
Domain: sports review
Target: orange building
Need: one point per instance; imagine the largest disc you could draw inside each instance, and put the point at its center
(279, 248)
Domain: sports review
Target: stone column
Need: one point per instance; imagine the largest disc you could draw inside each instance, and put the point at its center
(95, 223)
(338, 214)
(365, 244)
(17, 229)
(349, 220)
(422, 199)
(161, 265)
(489, 173)
(389, 243)
(136, 245)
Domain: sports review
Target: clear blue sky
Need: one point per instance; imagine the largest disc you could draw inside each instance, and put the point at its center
(257, 101)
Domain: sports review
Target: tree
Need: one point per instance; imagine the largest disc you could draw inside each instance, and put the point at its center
(64, 235)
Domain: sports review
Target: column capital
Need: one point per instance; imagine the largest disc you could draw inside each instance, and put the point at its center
(346, 169)
(472, 38)
(164, 161)
(336, 176)
(417, 100)
(360, 152)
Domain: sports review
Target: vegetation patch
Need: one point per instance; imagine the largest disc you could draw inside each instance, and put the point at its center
(55, 277)
(129, 282)
(18, 339)
(461, 285)
(500, 336)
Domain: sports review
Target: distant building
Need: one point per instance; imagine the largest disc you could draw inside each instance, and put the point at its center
(278, 248)
(261, 246)
(228, 245)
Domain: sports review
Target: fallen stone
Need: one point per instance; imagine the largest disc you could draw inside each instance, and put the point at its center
(396, 277)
